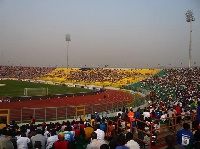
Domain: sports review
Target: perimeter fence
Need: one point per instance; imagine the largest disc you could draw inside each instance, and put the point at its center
(70, 112)
(62, 113)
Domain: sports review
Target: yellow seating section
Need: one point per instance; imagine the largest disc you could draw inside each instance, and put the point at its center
(135, 75)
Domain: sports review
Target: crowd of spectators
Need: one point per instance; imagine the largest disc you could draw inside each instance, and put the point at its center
(21, 72)
(100, 132)
(181, 84)
(6, 99)
(175, 94)
(174, 99)
(79, 134)
(97, 74)
(101, 75)
(177, 91)
(76, 75)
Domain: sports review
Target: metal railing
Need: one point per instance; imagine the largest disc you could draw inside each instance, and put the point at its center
(165, 129)
(69, 112)
(64, 112)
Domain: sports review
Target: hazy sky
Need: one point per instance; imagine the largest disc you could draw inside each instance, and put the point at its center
(118, 33)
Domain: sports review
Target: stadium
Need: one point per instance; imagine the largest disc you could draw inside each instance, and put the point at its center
(130, 88)
(99, 74)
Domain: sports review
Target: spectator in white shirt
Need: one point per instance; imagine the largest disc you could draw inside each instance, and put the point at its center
(53, 138)
(95, 143)
(23, 142)
(100, 133)
(130, 142)
(146, 114)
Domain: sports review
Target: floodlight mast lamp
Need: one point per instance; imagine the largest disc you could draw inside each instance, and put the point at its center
(189, 18)
(68, 39)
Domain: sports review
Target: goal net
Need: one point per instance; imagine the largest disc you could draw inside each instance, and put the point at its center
(35, 91)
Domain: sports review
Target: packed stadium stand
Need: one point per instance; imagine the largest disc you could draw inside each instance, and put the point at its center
(99, 77)
(172, 110)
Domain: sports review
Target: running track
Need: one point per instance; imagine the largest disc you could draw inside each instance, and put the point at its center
(93, 103)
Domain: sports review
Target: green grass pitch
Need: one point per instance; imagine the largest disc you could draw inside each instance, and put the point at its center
(13, 88)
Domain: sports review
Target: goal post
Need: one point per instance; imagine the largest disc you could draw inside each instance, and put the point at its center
(36, 91)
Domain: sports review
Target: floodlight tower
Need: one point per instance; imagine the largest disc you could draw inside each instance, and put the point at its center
(189, 18)
(68, 39)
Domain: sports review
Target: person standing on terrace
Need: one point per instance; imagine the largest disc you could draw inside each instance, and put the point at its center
(185, 137)
(178, 113)
(32, 120)
(131, 116)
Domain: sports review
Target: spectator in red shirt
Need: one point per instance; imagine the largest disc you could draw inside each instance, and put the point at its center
(178, 113)
(131, 116)
(77, 131)
(61, 143)
(32, 120)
